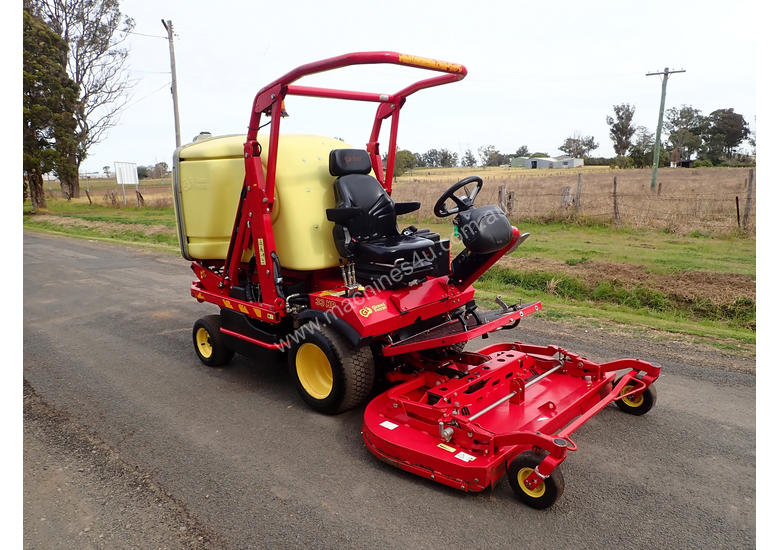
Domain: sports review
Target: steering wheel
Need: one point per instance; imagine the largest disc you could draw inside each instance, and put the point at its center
(461, 203)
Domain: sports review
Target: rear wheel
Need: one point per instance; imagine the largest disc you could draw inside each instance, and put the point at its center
(638, 403)
(331, 375)
(545, 493)
(209, 342)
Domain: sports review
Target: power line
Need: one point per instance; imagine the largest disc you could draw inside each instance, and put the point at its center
(167, 84)
(147, 35)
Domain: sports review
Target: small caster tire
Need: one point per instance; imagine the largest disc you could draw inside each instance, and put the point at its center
(543, 495)
(639, 403)
(209, 342)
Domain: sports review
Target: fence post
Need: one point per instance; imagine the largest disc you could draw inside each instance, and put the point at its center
(615, 200)
(659, 188)
(566, 198)
(748, 202)
(502, 197)
(739, 224)
(510, 203)
(577, 195)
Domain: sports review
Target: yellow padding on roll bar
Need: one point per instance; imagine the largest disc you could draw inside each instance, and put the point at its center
(428, 63)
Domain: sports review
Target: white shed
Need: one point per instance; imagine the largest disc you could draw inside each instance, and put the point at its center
(546, 162)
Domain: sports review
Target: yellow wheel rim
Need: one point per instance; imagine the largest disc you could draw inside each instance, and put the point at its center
(314, 371)
(635, 400)
(521, 477)
(203, 340)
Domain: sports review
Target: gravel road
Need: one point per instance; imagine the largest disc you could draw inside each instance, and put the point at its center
(130, 442)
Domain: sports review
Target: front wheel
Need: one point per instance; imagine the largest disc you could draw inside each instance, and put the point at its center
(331, 375)
(545, 493)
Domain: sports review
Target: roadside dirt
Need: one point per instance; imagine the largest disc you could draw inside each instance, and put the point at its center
(605, 343)
(720, 288)
(67, 221)
(78, 493)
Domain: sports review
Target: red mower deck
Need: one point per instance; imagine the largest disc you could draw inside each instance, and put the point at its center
(462, 424)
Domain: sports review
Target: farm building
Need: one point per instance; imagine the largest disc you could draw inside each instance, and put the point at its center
(546, 162)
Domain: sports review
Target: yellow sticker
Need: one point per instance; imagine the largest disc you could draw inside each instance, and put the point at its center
(242, 308)
(270, 315)
(227, 304)
(366, 311)
(261, 251)
(446, 447)
(329, 293)
(380, 307)
(258, 312)
(429, 63)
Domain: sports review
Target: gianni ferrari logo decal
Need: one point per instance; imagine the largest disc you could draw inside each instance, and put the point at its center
(368, 310)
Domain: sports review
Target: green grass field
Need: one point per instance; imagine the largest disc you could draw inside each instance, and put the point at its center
(697, 286)
(657, 251)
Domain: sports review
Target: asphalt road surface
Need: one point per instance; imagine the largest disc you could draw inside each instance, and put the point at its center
(131, 442)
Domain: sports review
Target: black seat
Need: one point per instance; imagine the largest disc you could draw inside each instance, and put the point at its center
(365, 228)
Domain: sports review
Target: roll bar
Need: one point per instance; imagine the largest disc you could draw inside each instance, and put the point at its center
(268, 101)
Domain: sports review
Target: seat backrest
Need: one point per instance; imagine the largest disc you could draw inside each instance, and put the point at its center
(356, 188)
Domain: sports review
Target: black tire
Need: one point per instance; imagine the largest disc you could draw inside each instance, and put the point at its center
(637, 404)
(331, 375)
(209, 342)
(546, 493)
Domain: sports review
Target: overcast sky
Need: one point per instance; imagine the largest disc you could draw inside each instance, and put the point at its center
(538, 71)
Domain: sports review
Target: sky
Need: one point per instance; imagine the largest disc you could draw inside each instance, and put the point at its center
(537, 71)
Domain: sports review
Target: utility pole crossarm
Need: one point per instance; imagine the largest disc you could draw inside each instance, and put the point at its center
(666, 72)
(657, 149)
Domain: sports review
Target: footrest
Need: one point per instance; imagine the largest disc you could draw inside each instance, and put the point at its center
(453, 332)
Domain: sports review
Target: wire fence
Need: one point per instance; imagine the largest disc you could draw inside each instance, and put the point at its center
(685, 200)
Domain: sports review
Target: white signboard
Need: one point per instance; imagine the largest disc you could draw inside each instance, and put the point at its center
(126, 173)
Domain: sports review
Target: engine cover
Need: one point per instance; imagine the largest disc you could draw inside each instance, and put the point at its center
(484, 229)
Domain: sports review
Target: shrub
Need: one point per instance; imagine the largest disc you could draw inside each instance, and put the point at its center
(702, 163)
(598, 161)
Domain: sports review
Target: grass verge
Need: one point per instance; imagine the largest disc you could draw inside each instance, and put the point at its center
(606, 302)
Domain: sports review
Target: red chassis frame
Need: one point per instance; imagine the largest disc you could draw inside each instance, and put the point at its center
(253, 219)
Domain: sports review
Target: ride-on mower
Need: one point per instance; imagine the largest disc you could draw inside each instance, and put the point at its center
(295, 238)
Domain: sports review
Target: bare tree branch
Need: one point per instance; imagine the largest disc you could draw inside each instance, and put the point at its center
(95, 31)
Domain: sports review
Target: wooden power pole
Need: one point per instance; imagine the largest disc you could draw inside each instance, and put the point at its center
(169, 28)
(657, 148)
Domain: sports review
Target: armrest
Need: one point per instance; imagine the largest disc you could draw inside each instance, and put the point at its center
(342, 215)
(406, 207)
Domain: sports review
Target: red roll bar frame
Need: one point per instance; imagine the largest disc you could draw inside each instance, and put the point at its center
(253, 218)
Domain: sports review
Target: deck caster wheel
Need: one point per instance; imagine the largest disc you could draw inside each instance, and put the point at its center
(209, 342)
(331, 375)
(543, 495)
(639, 403)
